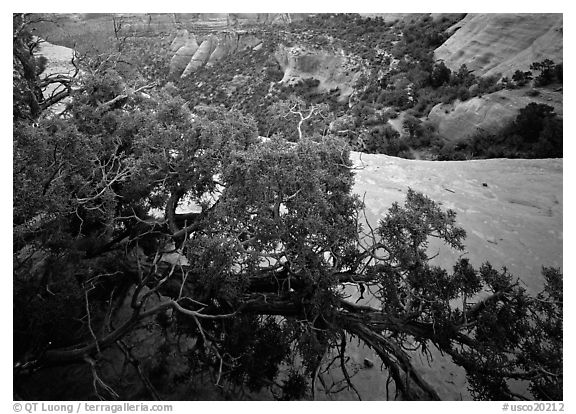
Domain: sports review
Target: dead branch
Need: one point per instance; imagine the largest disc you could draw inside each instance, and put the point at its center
(98, 383)
(342, 352)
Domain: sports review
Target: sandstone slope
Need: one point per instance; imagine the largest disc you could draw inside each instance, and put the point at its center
(499, 44)
(515, 221)
(491, 112)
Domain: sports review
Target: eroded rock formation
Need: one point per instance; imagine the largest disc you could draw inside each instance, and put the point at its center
(190, 55)
(334, 70)
(200, 58)
(186, 46)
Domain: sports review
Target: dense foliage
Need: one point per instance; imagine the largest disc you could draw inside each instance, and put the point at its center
(134, 213)
(536, 132)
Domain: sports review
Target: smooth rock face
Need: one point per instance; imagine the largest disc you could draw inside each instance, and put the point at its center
(515, 220)
(490, 113)
(500, 44)
(201, 56)
(183, 56)
(214, 48)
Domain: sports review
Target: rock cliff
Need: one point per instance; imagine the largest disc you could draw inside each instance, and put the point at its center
(189, 55)
(334, 69)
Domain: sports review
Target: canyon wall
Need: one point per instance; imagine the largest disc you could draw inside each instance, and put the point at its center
(190, 54)
(500, 44)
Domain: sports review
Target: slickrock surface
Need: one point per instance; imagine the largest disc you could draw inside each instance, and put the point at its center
(490, 112)
(516, 220)
(499, 43)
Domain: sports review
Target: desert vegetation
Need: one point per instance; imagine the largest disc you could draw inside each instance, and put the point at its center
(156, 206)
(535, 133)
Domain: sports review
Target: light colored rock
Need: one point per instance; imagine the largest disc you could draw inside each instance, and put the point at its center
(221, 51)
(180, 40)
(190, 57)
(59, 63)
(516, 222)
(201, 56)
(182, 58)
(227, 44)
(490, 113)
(500, 44)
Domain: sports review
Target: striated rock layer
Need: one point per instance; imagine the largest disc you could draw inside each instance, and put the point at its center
(184, 53)
(201, 56)
(190, 56)
(500, 44)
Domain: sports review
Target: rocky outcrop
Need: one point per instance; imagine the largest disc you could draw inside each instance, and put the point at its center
(490, 113)
(225, 46)
(189, 56)
(200, 58)
(393, 17)
(184, 53)
(500, 44)
(334, 70)
(182, 36)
